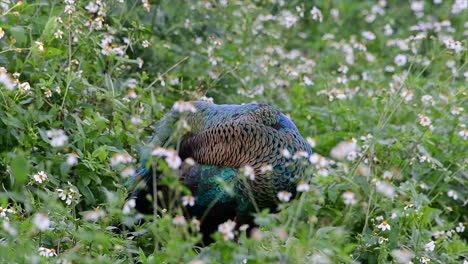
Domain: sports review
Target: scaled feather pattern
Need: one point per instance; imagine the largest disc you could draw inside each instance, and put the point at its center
(223, 140)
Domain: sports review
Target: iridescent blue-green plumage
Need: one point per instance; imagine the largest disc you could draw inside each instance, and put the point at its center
(222, 140)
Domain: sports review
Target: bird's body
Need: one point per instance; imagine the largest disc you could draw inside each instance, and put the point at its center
(223, 140)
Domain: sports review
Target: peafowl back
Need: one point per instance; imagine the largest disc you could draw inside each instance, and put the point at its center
(224, 141)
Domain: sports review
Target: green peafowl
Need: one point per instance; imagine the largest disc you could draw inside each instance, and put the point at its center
(225, 141)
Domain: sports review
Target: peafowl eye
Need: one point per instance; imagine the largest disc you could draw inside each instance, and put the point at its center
(224, 142)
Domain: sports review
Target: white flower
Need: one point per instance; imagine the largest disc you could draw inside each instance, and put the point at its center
(400, 60)
(46, 252)
(368, 35)
(8, 228)
(284, 196)
(146, 44)
(6, 80)
(226, 229)
(417, 6)
(407, 95)
(387, 175)
(173, 160)
(300, 154)
(40, 46)
(179, 220)
(424, 120)
(181, 106)
(459, 5)
(265, 168)
(41, 221)
(456, 110)
(249, 172)
(72, 159)
(311, 141)
(463, 133)
(384, 226)
(453, 194)
(287, 19)
(402, 256)
(429, 246)
(69, 195)
(128, 172)
(343, 148)
(40, 177)
(118, 158)
(351, 156)
(57, 137)
(188, 200)
(307, 80)
(58, 34)
(316, 14)
(94, 215)
(2, 33)
(2, 212)
(285, 153)
(427, 100)
(128, 206)
(303, 187)
(460, 228)
(349, 198)
(424, 260)
(385, 188)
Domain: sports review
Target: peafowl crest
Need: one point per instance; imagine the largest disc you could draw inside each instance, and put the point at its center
(253, 147)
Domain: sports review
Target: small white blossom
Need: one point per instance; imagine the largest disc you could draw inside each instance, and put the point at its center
(46, 252)
(128, 206)
(249, 172)
(463, 133)
(343, 148)
(72, 159)
(57, 137)
(284, 196)
(349, 198)
(456, 110)
(303, 187)
(58, 34)
(316, 14)
(400, 60)
(226, 229)
(424, 120)
(146, 44)
(311, 141)
(387, 175)
(265, 168)
(179, 220)
(188, 200)
(429, 246)
(94, 215)
(40, 177)
(285, 153)
(402, 256)
(385, 189)
(8, 228)
(424, 260)
(384, 226)
(453, 194)
(119, 158)
(128, 172)
(460, 228)
(41, 221)
(181, 106)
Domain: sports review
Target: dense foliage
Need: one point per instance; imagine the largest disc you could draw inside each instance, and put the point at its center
(378, 88)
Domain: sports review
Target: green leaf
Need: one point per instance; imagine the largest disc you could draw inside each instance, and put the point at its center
(19, 169)
(20, 34)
